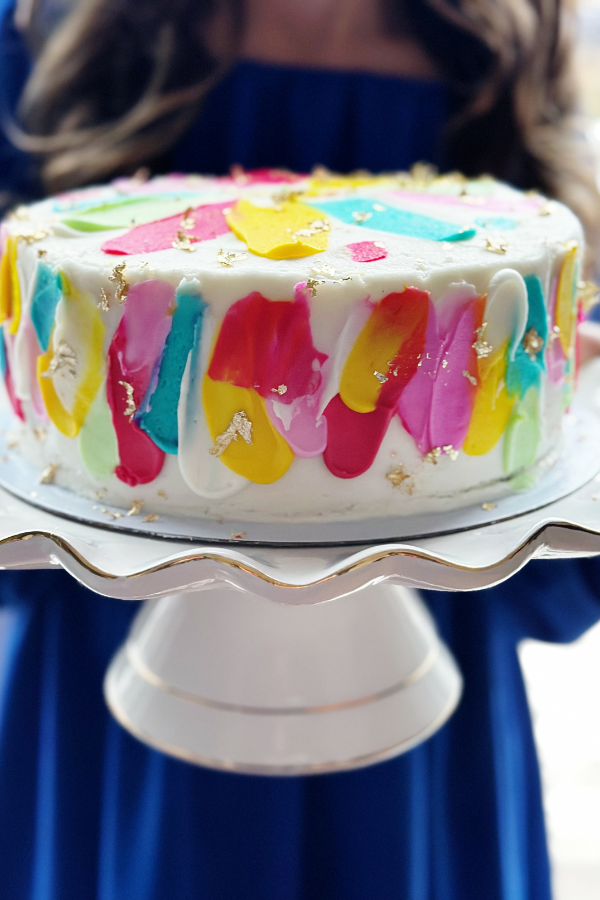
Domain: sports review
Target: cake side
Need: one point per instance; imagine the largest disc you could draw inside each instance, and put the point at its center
(290, 348)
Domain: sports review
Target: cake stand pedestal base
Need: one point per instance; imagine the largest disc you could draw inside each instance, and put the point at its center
(231, 680)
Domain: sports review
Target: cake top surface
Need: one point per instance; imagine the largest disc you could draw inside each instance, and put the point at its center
(276, 229)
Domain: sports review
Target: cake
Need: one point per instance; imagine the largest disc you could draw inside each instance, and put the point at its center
(274, 347)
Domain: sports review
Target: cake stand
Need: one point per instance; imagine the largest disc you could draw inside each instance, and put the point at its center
(291, 659)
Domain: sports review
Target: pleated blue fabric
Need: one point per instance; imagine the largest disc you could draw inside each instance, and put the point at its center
(89, 813)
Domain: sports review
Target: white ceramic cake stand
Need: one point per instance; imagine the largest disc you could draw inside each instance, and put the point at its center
(284, 660)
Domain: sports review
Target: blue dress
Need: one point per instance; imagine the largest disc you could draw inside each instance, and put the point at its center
(88, 813)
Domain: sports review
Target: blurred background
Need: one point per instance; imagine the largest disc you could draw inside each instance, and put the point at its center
(563, 682)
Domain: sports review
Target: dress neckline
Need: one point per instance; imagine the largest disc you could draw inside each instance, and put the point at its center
(336, 74)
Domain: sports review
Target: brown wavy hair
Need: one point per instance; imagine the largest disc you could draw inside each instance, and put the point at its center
(120, 81)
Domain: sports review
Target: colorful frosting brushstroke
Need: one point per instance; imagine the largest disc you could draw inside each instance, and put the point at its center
(133, 362)
(264, 351)
(381, 363)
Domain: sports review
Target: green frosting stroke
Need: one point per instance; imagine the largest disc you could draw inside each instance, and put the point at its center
(97, 439)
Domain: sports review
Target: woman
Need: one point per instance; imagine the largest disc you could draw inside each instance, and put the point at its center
(86, 811)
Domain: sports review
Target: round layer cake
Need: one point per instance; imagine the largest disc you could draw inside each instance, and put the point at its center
(272, 347)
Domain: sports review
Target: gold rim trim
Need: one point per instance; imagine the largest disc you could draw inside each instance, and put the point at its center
(248, 568)
(225, 765)
(139, 666)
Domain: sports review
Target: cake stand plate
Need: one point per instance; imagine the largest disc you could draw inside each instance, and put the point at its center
(290, 659)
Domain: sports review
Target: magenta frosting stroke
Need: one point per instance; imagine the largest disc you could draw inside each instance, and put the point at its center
(436, 405)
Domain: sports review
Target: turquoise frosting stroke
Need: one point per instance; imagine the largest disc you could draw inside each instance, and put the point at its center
(524, 372)
(3, 363)
(157, 414)
(396, 221)
(46, 295)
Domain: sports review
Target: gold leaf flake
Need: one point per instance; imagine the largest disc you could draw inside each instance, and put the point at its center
(284, 196)
(121, 285)
(324, 269)
(130, 409)
(532, 343)
(240, 424)
(185, 242)
(444, 363)
(30, 237)
(360, 217)
(103, 301)
(488, 506)
(381, 378)
(481, 347)
(135, 508)
(151, 518)
(99, 494)
(496, 245)
(12, 443)
(40, 433)
(281, 390)
(228, 258)
(433, 455)
(316, 227)
(145, 264)
(111, 515)
(41, 253)
(449, 450)
(65, 359)
(470, 377)
(546, 209)
(162, 494)
(188, 220)
(49, 473)
(397, 476)
(4, 458)
(423, 173)
(587, 294)
(312, 284)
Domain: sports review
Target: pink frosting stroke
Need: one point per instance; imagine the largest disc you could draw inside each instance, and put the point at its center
(299, 424)
(367, 251)
(209, 223)
(436, 405)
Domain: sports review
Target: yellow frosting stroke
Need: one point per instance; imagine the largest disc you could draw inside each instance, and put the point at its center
(5, 283)
(269, 456)
(89, 364)
(492, 407)
(367, 367)
(565, 299)
(10, 291)
(289, 231)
